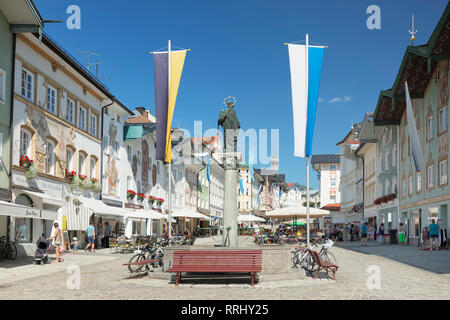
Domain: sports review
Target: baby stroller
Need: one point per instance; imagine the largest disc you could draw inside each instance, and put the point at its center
(41, 255)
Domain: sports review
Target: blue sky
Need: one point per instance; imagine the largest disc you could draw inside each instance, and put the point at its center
(237, 49)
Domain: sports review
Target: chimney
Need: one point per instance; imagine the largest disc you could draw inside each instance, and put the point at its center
(141, 110)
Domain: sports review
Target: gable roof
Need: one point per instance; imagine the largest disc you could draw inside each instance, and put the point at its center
(417, 67)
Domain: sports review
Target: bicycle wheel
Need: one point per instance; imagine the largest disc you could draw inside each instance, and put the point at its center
(11, 253)
(136, 258)
(327, 255)
(307, 261)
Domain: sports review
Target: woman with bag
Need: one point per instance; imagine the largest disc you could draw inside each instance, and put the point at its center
(58, 242)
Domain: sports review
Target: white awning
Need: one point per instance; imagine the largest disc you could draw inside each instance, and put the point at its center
(16, 210)
(101, 209)
(189, 214)
(145, 214)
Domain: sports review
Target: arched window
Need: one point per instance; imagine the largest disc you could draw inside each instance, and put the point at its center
(82, 162)
(25, 142)
(93, 167)
(50, 156)
(70, 151)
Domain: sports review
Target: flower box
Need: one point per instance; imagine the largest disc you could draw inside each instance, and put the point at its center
(140, 197)
(131, 194)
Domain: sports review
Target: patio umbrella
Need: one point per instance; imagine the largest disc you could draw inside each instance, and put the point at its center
(297, 223)
(297, 212)
(249, 218)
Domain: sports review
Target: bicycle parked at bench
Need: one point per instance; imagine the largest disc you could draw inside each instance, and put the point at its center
(302, 257)
(154, 251)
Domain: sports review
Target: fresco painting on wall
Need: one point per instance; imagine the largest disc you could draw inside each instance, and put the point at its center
(144, 166)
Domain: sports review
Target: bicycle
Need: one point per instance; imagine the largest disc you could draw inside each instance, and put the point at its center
(153, 251)
(8, 249)
(302, 256)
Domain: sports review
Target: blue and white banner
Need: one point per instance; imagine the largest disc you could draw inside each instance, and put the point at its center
(416, 147)
(241, 186)
(306, 68)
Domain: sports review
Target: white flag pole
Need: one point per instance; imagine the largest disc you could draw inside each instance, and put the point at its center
(307, 157)
(170, 162)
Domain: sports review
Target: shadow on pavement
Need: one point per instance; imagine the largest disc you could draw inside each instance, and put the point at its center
(433, 261)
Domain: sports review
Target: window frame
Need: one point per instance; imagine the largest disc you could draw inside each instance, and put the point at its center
(418, 181)
(69, 163)
(71, 118)
(25, 90)
(52, 98)
(93, 170)
(430, 178)
(50, 158)
(442, 183)
(26, 132)
(93, 129)
(80, 109)
(82, 164)
(442, 118)
(430, 128)
(3, 78)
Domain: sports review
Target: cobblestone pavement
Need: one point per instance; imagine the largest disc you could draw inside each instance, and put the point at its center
(104, 277)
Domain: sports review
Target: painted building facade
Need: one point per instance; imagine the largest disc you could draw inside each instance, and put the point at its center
(12, 21)
(56, 124)
(424, 194)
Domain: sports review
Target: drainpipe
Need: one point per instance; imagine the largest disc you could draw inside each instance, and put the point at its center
(363, 191)
(113, 100)
(13, 79)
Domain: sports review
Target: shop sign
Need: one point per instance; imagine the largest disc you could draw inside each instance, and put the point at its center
(133, 206)
(112, 203)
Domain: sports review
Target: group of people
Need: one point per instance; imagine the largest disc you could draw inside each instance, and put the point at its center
(58, 242)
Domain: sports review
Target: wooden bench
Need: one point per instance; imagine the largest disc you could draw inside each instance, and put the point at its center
(323, 264)
(216, 261)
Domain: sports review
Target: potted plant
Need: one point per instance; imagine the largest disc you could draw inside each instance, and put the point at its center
(151, 200)
(159, 202)
(130, 194)
(72, 177)
(95, 185)
(30, 167)
(85, 182)
(140, 197)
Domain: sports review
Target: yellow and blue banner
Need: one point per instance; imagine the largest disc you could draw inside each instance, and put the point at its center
(167, 74)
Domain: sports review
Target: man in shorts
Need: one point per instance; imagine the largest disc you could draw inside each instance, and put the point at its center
(434, 234)
(91, 237)
(364, 234)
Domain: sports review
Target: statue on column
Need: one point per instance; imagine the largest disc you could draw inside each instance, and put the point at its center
(229, 122)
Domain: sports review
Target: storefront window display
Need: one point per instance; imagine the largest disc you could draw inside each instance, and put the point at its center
(415, 224)
(433, 213)
(23, 230)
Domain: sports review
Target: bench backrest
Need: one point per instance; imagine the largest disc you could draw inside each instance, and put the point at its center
(218, 260)
(316, 257)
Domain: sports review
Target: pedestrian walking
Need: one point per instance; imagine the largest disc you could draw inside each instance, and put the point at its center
(57, 241)
(91, 237)
(402, 234)
(434, 234)
(107, 235)
(364, 234)
(381, 234)
(74, 244)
